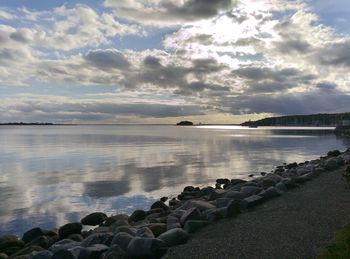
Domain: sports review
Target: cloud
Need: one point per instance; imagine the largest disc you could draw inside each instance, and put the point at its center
(165, 13)
(107, 59)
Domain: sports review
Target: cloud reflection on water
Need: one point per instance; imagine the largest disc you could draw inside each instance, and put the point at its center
(49, 176)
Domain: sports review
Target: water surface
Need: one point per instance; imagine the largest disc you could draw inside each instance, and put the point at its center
(50, 175)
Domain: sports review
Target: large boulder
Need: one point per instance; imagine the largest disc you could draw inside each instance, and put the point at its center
(173, 237)
(160, 205)
(146, 247)
(137, 215)
(223, 181)
(94, 219)
(122, 240)
(251, 201)
(157, 228)
(144, 232)
(64, 244)
(191, 214)
(63, 254)
(267, 182)
(99, 238)
(10, 244)
(32, 234)
(199, 204)
(93, 252)
(251, 190)
(233, 209)
(69, 229)
(43, 241)
(236, 195)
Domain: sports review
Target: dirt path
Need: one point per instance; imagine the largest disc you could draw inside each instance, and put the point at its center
(294, 225)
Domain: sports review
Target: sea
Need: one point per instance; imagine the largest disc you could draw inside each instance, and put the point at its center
(55, 174)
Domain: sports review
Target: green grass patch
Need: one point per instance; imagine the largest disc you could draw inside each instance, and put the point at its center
(339, 248)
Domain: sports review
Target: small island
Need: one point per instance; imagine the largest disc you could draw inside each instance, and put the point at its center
(185, 123)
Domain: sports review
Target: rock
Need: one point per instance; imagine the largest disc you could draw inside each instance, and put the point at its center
(32, 234)
(302, 171)
(93, 252)
(43, 241)
(116, 218)
(191, 214)
(223, 181)
(266, 183)
(94, 219)
(237, 181)
(199, 204)
(69, 229)
(3, 256)
(27, 250)
(173, 237)
(64, 244)
(63, 254)
(99, 238)
(157, 228)
(251, 190)
(251, 183)
(334, 153)
(115, 252)
(142, 247)
(145, 232)
(10, 244)
(269, 193)
(236, 195)
(130, 230)
(122, 240)
(45, 254)
(138, 215)
(173, 202)
(216, 194)
(76, 237)
(289, 183)
(331, 163)
(192, 226)
(189, 189)
(160, 205)
(250, 201)
(233, 208)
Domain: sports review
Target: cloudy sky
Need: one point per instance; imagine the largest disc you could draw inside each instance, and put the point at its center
(161, 61)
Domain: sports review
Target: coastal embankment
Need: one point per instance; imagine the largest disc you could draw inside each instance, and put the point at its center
(307, 203)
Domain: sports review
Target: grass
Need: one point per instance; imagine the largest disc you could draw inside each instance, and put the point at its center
(339, 248)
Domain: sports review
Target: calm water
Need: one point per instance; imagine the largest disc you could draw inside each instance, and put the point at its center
(50, 175)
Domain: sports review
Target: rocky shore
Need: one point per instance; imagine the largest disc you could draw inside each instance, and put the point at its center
(148, 234)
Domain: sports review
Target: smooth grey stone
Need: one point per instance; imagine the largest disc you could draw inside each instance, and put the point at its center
(63, 254)
(32, 234)
(138, 215)
(236, 195)
(63, 245)
(98, 238)
(250, 201)
(93, 252)
(144, 232)
(213, 215)
(251, 190)
(94, 219)
(191, 214)
(160, 205)
(223, 202)
(130, 230)
(173, 237)
(122, 240)
(269, 193)
(199, 204)
(69, 229)
(266, 183)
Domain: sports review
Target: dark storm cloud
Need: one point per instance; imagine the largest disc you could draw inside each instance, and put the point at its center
(268, 80)
(335, 54)
(19, 36)
(107, 59)
(293, 46)
(326, 86)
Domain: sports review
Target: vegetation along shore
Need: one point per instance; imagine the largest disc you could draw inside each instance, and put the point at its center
(149, 234)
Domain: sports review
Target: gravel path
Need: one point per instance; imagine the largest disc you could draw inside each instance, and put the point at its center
(294, 225)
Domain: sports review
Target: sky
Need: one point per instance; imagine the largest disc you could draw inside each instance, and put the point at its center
(162, 61)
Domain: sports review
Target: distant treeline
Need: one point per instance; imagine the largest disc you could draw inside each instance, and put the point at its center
(334, 119)
(27, 123)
